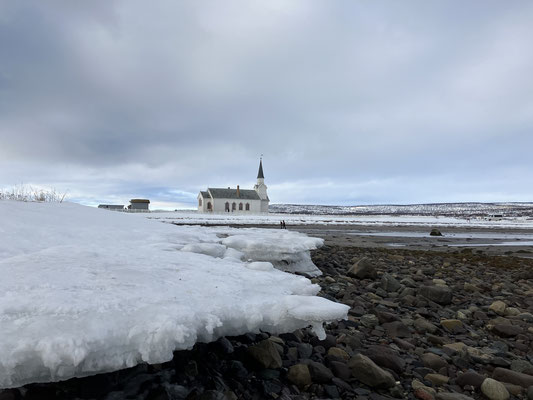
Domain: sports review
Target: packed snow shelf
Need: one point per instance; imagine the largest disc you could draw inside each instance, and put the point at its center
(85, 291)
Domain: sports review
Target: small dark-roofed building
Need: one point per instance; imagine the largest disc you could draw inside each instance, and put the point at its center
(114, 207)
(139, 205)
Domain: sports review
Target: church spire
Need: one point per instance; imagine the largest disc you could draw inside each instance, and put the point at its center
(260, 172)
(261, 188)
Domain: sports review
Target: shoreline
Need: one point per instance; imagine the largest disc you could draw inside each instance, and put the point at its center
(495, 241)
(439, 343)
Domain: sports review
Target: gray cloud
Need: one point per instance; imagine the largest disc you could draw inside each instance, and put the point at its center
(350, 102)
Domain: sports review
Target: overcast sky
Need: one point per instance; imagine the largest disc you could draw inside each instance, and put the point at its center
(351, 102)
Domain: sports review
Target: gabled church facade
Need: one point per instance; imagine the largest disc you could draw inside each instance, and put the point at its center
(242, 201)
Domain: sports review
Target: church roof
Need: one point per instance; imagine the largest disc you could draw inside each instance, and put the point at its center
(244, 194)
(205, 195)
(260, 172)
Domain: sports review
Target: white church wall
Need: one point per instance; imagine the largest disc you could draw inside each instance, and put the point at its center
(220, 206)
(203, 207)
(255, 206)
(261, 189)
(264, 206)
(200, 207)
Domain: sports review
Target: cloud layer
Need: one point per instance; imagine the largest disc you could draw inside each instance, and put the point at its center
(350, 102)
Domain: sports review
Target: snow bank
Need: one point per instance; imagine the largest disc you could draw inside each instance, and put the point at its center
(86, 290)
(286, 250)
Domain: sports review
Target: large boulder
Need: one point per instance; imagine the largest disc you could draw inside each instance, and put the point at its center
(416, 384)
(526, 317)
(338, 353)
(319, 372)
(439, 294)
(422, 391)
(452, 325)
(516, 378)
(389, 283)
(366, 371)
(506, 330)
(423, 394)
(433, 361)
(522, 366)
(423, 325)
(494, 390)
(437, 379)
(265, 354)
(363, 269)
(384, 317)
(397, 329)
(369, 320)
(340, 370)
(385, 357)
(299, 375)
(470, 378)
(498, 307)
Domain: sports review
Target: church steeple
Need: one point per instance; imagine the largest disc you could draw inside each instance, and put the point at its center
(261, 188)
(260, 172)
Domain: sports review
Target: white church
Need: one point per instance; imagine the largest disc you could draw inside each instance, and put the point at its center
(242, 201)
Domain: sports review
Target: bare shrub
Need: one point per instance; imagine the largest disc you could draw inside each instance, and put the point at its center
(29, 193)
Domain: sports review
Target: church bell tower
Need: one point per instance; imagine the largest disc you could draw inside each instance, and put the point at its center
(261, 188)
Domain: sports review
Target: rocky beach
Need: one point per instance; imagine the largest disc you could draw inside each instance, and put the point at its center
(446, 323)
(266, 200)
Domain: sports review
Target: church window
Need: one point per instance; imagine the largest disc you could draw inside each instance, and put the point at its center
(227, 207)
(200, 202)
(209, 206)
(240, 206)
(247, 206)
(233, 207)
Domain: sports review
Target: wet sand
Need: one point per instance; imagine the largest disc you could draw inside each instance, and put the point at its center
(487, 241)
(516, 242)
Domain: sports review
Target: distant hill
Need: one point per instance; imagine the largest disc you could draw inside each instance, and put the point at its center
(495, 210)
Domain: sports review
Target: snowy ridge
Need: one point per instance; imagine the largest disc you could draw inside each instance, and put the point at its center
(87, 290)
(467, 210)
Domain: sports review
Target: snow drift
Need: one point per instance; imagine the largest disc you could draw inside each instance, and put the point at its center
(85, 291)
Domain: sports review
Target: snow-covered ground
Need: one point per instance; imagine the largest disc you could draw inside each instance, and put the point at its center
(471, 210)
(192, 217)
(85, 290)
